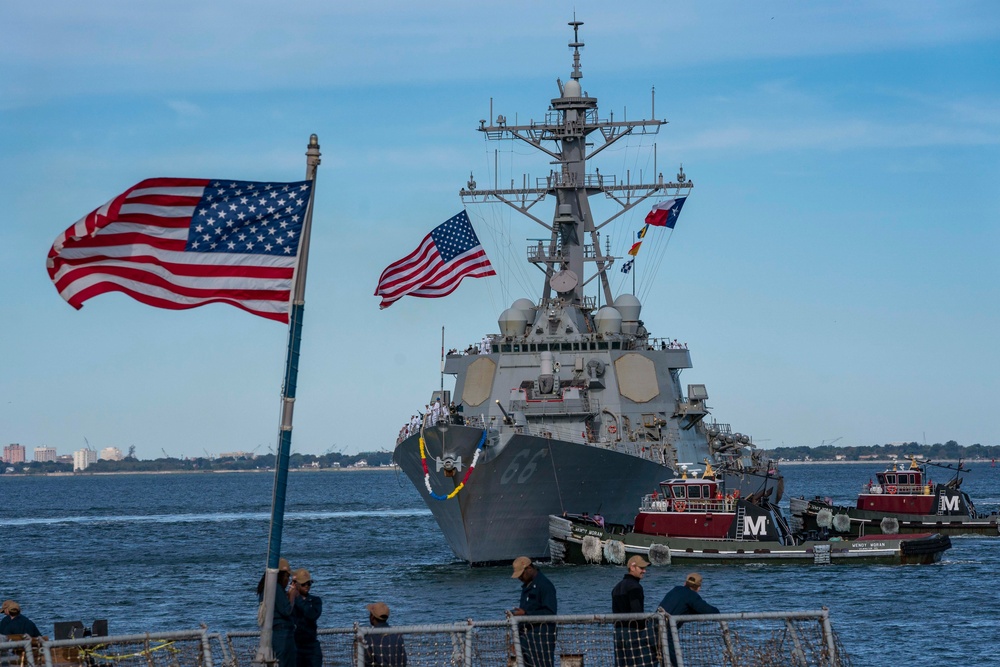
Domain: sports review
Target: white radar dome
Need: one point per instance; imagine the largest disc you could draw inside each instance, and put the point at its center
(526, 306)
(629, 307)
(572, 89)
(512, 322)
(608, 320)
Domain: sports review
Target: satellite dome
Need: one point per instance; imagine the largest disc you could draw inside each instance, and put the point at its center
(629, 307)
(608, 320)
(572, 89)
(513, 322)
(526, 306)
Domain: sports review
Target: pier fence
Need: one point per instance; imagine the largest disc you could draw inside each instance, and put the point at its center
(762, 639)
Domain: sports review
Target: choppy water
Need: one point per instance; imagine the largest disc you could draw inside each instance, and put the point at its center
(159, 552)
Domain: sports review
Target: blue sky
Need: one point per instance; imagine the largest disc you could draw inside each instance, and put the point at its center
(834, 271)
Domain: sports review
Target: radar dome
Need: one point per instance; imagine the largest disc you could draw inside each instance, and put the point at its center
(608, 320)
(512, 322)
(572, 89)
(526, 306)
(629, 307)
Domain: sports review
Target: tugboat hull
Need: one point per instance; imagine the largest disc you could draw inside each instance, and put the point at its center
(869, 522)
(582, 544)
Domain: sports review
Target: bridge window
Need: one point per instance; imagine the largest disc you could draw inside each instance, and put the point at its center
(678, 491)
(694, 492)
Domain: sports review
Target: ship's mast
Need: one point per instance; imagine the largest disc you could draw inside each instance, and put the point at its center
(570, 120)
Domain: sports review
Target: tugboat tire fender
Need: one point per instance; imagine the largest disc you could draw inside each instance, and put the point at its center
(614, 552)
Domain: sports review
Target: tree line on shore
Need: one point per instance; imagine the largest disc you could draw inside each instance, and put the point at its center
(949, 450)
(201, 464)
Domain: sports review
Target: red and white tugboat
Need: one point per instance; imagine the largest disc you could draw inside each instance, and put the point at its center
(901, 499)
(692, 519)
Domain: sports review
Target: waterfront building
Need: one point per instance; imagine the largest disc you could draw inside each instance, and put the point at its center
(13, 453)
(45, 454)
(82, 458)
(111, 454)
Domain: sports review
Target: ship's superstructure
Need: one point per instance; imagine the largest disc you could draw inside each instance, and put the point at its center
(571, 407)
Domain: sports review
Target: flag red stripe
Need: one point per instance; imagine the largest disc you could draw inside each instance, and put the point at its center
(105, 287)
(136, 244)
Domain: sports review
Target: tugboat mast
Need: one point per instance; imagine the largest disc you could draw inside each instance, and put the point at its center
(570, 120)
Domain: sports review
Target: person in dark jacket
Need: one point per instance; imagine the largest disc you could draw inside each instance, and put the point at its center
(682, 601)
(383, 650)
(306, 610)
(538, 598)
(282, 626)
(13, 623)
(634, 642)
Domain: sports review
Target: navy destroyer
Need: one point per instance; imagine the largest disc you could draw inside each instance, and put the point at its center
(571, 407)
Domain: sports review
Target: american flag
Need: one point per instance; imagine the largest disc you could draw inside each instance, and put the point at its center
(184, 242)
(448, 254)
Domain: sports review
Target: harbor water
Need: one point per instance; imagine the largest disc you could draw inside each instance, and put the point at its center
(169, 552)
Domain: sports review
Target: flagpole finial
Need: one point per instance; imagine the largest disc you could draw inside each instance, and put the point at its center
(312, 156)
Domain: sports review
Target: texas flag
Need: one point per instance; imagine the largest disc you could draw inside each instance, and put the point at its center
(665, 213)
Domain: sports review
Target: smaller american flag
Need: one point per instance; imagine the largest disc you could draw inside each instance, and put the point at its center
(448, 254)
(184, 242)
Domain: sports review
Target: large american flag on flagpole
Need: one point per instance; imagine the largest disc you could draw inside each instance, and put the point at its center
(448, 254)
(185, 242)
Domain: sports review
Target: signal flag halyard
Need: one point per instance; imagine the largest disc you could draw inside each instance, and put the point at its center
(181, 243)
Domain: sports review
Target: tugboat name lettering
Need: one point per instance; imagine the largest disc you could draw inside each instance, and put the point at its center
(949, 504)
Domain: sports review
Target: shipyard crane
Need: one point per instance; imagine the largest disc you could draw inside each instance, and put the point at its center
(830, 442)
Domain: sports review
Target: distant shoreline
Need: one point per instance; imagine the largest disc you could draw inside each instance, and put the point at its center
(192, 472)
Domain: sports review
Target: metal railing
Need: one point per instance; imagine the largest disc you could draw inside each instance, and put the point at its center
(801, 638)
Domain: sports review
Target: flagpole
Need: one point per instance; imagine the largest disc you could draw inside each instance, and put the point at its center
(265, 652)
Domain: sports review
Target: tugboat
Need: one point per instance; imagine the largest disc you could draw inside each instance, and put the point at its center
(572, 404)
(694, 520)
(903, 500)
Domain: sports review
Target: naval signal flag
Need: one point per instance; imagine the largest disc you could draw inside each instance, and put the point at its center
(448, 254)
(185, 242)
(665, 213)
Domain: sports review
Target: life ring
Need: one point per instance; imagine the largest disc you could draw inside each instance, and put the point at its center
(680, 505)
(891, 489)
(612, 429)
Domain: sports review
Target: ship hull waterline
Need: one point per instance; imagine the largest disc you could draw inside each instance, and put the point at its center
(502, 511)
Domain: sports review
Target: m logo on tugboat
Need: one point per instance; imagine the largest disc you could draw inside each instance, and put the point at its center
(949, 503)
(755, 525)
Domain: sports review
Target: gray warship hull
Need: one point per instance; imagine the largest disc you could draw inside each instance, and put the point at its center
(503, 509)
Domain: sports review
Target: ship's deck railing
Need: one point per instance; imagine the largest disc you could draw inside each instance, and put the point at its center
(588, 342)
(186, 648)
(897, 489)
(802, 638)
(667, 504)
